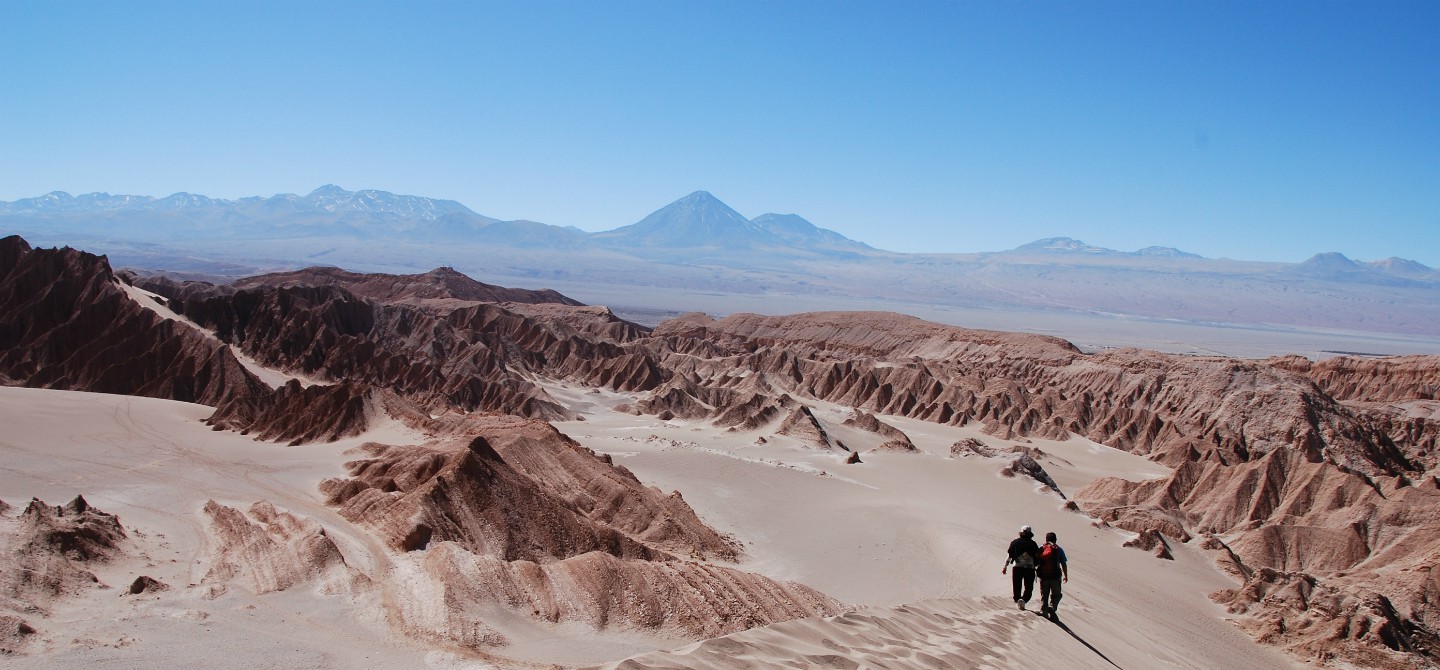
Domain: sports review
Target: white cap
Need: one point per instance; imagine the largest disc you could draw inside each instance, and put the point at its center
(1026, 529)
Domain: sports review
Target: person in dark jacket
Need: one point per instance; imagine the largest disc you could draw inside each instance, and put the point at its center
(1052, 569)
(1023, 553)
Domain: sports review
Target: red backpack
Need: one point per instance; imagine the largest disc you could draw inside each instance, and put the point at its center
(1049, 557)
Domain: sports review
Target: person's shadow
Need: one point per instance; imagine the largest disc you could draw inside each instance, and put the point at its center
(1055, 619)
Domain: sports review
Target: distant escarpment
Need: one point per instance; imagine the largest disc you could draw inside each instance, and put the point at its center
(437, 284)
(1392, 379)
(1174, 408)
(523, 517)
(476, 356)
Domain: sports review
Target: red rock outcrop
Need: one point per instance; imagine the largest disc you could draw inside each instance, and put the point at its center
(802, 425)
(895, 439)
(972, 447)
(146, 584)
(1025, 465)
(1389, 379)
(299, 414)
(49, 552)
(65, 323)
(1399, 396)
(1152, 541)
(1293, 527)
(268, 549)
(522, 517)
(518, 490)
(174, 289)
(594, 322)
(15, 634)
(1329, 621)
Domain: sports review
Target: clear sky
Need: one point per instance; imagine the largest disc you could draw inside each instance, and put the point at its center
(1252, 130)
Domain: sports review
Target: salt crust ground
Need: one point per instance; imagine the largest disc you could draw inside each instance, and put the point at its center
(917, 537)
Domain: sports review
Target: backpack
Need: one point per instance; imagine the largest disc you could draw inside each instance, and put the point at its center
(1049, 560)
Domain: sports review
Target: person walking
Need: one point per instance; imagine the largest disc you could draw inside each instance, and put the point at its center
(1023, 552)
(1052, 569)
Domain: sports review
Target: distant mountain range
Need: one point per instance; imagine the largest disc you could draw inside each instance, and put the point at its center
(698, 221)
(700, 243)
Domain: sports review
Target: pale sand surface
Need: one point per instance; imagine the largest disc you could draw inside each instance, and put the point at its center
(917, 537)
(154, 464)
(903, 528)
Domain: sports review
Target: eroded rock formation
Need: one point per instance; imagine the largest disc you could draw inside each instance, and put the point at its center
(48, 553)
(895, 439)
(802, 425)
(1025, 465)
(523, 517)
(1324, 470)
(266, 549)
(66, 323)
(1334, 564)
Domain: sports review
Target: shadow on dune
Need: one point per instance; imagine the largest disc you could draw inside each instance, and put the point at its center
(1056, 620)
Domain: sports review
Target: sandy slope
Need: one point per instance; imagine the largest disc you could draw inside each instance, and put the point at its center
(154, 464)
(903, 528)
(917, 537)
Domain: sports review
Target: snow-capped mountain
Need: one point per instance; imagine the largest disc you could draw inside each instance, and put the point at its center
(1166, 252)
(1066, 245)
(332, 198)
(328, 198)
(1070, 245)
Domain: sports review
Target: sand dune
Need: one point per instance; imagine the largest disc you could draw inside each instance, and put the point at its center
(927, 635)
(880, 534)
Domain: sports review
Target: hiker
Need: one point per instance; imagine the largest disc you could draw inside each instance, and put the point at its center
(1052, 569)
(1023, 552)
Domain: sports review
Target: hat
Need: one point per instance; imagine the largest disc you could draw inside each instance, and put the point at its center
(1025, 530)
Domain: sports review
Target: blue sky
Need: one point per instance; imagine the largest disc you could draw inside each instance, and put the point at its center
(1250, 130)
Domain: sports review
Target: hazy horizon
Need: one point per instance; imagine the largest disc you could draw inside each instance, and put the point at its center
(874, 244)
